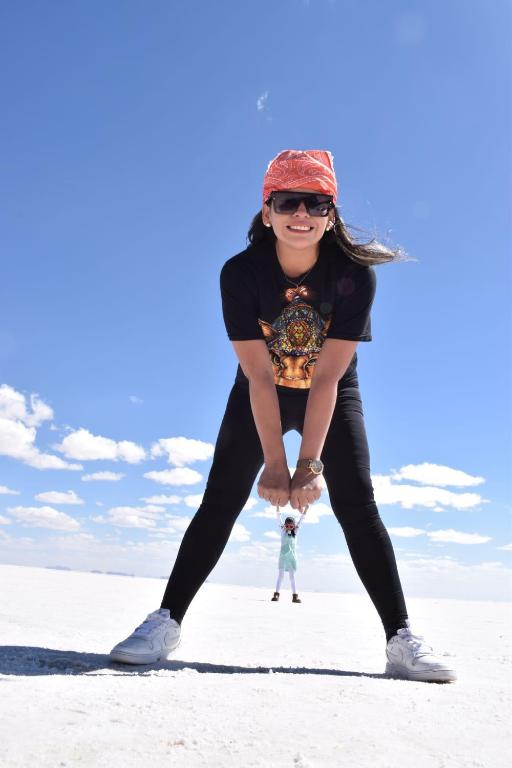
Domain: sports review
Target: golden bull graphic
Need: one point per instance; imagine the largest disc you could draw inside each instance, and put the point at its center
(295, 339)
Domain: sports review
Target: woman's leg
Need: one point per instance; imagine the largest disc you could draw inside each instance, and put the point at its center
(347, 476)
(279, 579)
(237, 459)
(292, 582)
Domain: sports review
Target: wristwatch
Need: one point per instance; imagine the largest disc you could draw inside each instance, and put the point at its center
(314, 465)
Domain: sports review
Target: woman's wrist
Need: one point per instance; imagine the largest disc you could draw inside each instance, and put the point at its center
(276, 462)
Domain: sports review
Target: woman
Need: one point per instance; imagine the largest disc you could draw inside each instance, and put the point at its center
(296, 303)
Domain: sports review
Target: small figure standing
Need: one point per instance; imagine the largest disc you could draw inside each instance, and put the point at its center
(287, 555)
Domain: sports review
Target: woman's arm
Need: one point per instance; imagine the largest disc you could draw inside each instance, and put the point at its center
(332, 362)
(255, 363)
(301, 518)
(274, 482)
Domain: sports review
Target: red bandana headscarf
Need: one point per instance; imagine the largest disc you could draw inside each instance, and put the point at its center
(295, 169)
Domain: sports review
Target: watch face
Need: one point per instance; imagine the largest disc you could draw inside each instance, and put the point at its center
(316, 465)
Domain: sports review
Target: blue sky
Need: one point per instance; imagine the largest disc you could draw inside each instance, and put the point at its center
(133, 146)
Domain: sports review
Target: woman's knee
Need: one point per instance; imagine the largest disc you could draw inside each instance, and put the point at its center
(358, 519)
(353, 488)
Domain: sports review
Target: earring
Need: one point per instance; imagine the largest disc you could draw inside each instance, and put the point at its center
(267, 225)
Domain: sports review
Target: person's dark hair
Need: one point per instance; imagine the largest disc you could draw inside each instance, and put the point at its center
(367, 254)
(290, 519)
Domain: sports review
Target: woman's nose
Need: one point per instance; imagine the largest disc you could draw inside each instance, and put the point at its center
(302, 209)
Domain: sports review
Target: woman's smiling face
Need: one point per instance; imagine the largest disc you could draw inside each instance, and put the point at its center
(297, 230)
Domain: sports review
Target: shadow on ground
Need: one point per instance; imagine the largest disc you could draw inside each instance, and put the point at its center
(32, 660)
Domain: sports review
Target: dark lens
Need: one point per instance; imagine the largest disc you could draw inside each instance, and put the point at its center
(288, 202)
(320, 206)
(285, 202)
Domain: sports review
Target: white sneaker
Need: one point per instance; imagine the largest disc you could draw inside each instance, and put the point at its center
(409, 658)
(151, 641)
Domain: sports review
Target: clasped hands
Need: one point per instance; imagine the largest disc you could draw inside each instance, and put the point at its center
(277, 486)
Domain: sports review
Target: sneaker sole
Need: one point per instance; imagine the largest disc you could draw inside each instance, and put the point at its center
(427, 676)
(125, 657)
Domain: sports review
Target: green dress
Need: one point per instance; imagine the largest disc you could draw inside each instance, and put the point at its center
(287, 556)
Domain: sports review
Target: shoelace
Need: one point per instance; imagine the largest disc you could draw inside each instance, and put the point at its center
(148, 625)
(420, 647)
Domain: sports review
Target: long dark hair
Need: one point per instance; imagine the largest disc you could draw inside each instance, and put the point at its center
(290, 519)
(367, 254)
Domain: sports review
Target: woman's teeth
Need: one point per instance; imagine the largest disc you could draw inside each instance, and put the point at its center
(299, 228)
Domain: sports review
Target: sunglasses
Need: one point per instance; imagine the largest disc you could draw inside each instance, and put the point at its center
(288, 202)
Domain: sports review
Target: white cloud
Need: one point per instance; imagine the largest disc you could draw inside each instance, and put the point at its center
(162, 499)
(5, 490)
(12, 404)
(179, 476)
(74, 540)
(261, 101)
(161, 533)
(44, 517)
(263, 552)
(436, 474)
(270, 512)
(83, 445)
(193, 499)
(59, 497)
(458, 537)
(131, 517)
(130, 452)
(409, 496)
(5, 520)
(272, 535)
(40, 412)
(446, 536)
(239, 533)
(180, 523)
(135, 400)
(250, 503)
(13, 407)
(506, 547)
(406, 531)
(317, 510)
(182, 450)
(18, 432)
(109, 476)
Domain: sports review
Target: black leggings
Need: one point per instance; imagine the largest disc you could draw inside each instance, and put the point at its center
(237, 461)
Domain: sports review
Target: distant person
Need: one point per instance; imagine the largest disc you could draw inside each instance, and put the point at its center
(296, 303)
(287, 554)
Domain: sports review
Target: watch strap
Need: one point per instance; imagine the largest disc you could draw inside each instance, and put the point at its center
(305, 464)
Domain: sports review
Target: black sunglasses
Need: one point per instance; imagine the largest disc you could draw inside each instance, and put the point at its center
(288, 202)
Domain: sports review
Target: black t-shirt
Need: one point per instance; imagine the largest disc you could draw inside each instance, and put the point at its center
(258, 302)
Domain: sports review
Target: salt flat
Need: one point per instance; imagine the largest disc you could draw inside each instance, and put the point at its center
(253, 683)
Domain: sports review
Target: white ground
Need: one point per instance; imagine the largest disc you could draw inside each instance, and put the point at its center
(253, 683)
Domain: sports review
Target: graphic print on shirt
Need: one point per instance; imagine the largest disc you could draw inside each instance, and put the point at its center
(294, 339)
